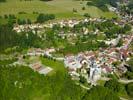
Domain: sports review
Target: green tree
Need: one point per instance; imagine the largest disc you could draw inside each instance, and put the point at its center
(45, 17)
(120, 43)
(2, 0)
(129, 89)
(129, 75)
(130, 63)
(127, 27)
(87, 15)
(113, 85)
(100, 93)
(82, 79)
(29, 21)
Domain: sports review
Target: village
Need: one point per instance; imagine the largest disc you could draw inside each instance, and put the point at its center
(66, 50)
(92, 65)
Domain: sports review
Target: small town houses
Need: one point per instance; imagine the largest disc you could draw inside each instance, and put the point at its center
(39, 52)
(36, 27)
(93, 64)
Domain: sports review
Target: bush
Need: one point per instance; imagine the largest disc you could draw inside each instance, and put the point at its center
(5, 16)
(74, 10)
(22, 12)
(35, 12)
(83, 8)
(45, 17)
(86, 15)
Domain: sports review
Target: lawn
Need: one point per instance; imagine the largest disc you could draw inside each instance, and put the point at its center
(61, 8)
(3, 21)
(56, 65)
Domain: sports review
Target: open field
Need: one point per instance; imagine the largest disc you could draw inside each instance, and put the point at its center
(55, 65)
(61, 8)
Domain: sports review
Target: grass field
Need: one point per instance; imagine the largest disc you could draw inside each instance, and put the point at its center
(55, 65)
(61, 8)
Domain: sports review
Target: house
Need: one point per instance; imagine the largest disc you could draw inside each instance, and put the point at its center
(40, 68)
(49, 51)
(71, 62)
(113, 42)
(35, 52)
(106, 69)
(112, 8)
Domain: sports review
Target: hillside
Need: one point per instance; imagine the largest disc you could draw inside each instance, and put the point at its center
(61, 8)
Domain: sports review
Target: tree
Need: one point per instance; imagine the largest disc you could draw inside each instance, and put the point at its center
(29, 21)
(83, 8)
(129, 89)
(46, 0)
(74, 10)
(102, 44)
(100, 93)
(127, 27)
(8, 37)
(130, 63)
(130, 5)
(5, 16)
(26, 83)
(116, 63)
(21, 21)
(129, 75)
(45, 17)
(87, 15)
(82, 79)
(113, 85)
(102, 4)
(70, 91)
(120, 43)
(11, 22)
(2, 0)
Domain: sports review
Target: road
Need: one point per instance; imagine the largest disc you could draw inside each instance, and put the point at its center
(83, 86)
(124, 81)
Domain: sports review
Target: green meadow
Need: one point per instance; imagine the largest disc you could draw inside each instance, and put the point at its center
(61, 9)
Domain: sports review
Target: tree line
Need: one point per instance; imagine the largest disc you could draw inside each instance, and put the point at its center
(9, 38)
(102, 4)
(41, 18)
(22, 83)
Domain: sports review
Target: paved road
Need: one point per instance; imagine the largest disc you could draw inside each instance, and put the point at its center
(124, 81)
(83, 86)
(121, 98)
